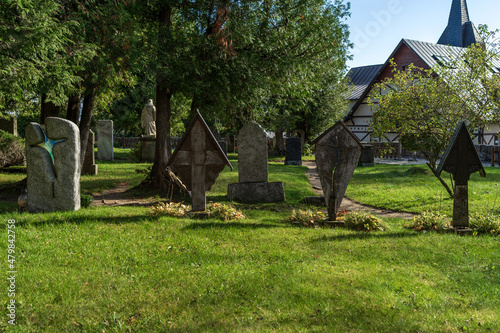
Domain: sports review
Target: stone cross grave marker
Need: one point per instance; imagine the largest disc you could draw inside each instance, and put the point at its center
(105, 140)
(293, 151)
(461, 160)
(198, 160)
(337, 154)
(53, 166)
(253, 175)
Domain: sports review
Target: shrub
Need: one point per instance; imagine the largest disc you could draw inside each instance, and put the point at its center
(11, 150)
(215, 210)
(86, 200)
(307, 218)
(430, 221)
(362, 221)
(224, 212)
(485, 223)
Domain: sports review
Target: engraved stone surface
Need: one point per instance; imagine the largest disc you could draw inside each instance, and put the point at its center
(89, 166)
(337, 154)
(198, 160)
(252, 154)
(105, 140)
(53, 163)
(293, 151)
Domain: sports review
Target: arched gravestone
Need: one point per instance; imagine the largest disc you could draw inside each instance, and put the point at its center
(198, 160)
(254, 185)
(53, 166)
(461, 160)
(337, 154)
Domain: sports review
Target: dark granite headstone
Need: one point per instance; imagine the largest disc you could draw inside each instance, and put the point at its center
(293, 151)
(223, 146)
(367, 157)
(9, 125)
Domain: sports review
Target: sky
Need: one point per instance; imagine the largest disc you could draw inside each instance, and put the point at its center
(377, 26)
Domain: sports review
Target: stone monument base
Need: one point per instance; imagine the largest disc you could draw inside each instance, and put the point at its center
(293, 162)
(256, 192)
(148, 146)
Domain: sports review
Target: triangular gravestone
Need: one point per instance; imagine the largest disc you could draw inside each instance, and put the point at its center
(461, 160)
(336, 149)
(198, 160)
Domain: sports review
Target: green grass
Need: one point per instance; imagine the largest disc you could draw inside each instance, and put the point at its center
(415, 189)
(120, 270)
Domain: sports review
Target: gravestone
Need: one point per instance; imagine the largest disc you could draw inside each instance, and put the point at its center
(337, 154)
(367, 157)
(461, 160)
(230, 143)
(148, 148)
(9, 125)
(293, 151)
(300, 134)
(253, 175)
(53, 166)
(105, 140)
(198, 160)
(89, 166)
(223, 146)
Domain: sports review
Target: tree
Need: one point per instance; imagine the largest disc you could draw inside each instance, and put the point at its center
(425, 106)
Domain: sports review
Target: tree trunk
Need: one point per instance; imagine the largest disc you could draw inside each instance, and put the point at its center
(73, 111)
(450, 192)
(280, 143)
(48, 109)
(159, 172)
(88, 107)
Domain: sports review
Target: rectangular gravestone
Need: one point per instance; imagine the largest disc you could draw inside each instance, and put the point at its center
(253, 175)
(293, 151)
(53, 166)
(223, 146)
(105, 140)
(9, 125)
(89, 166)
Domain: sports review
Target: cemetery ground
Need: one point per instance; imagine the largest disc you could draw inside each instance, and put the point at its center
(119, 269)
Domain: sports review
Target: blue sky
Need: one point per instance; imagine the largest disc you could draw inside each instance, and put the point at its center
(377, 26)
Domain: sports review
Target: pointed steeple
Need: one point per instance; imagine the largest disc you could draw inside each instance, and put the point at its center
(460, 31)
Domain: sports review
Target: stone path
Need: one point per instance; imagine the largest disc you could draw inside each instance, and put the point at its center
(348, 204)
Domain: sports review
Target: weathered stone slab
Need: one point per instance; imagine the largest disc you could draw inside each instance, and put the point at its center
(223, 146)
(230, 143)
(256, 192)
(148, 148)
(252, 154)
(89, 166)
(105, 140)
(367, 157)
(293, 151)
(9, 125)
(53, 166)
(198, 161)
(336, 149)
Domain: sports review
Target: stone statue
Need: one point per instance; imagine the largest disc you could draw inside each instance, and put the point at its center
(148, 118)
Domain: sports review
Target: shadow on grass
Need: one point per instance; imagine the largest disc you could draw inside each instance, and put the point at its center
(227, 225)
(365, 235)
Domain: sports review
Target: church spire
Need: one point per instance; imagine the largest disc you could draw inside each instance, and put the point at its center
(460, 31)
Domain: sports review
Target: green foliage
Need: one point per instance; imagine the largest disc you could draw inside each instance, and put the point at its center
(23, 121)
(308, 218)
(12, 151)
(485, 223)
(224, 212)
(86, 200)
(430, 221)
(362, 221)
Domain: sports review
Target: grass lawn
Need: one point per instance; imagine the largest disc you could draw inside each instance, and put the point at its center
(117, 269)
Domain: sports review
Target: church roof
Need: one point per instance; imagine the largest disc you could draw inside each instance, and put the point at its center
(460, 31)
(361, 77)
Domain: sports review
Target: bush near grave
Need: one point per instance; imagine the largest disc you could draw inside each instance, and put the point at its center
(11, 150)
